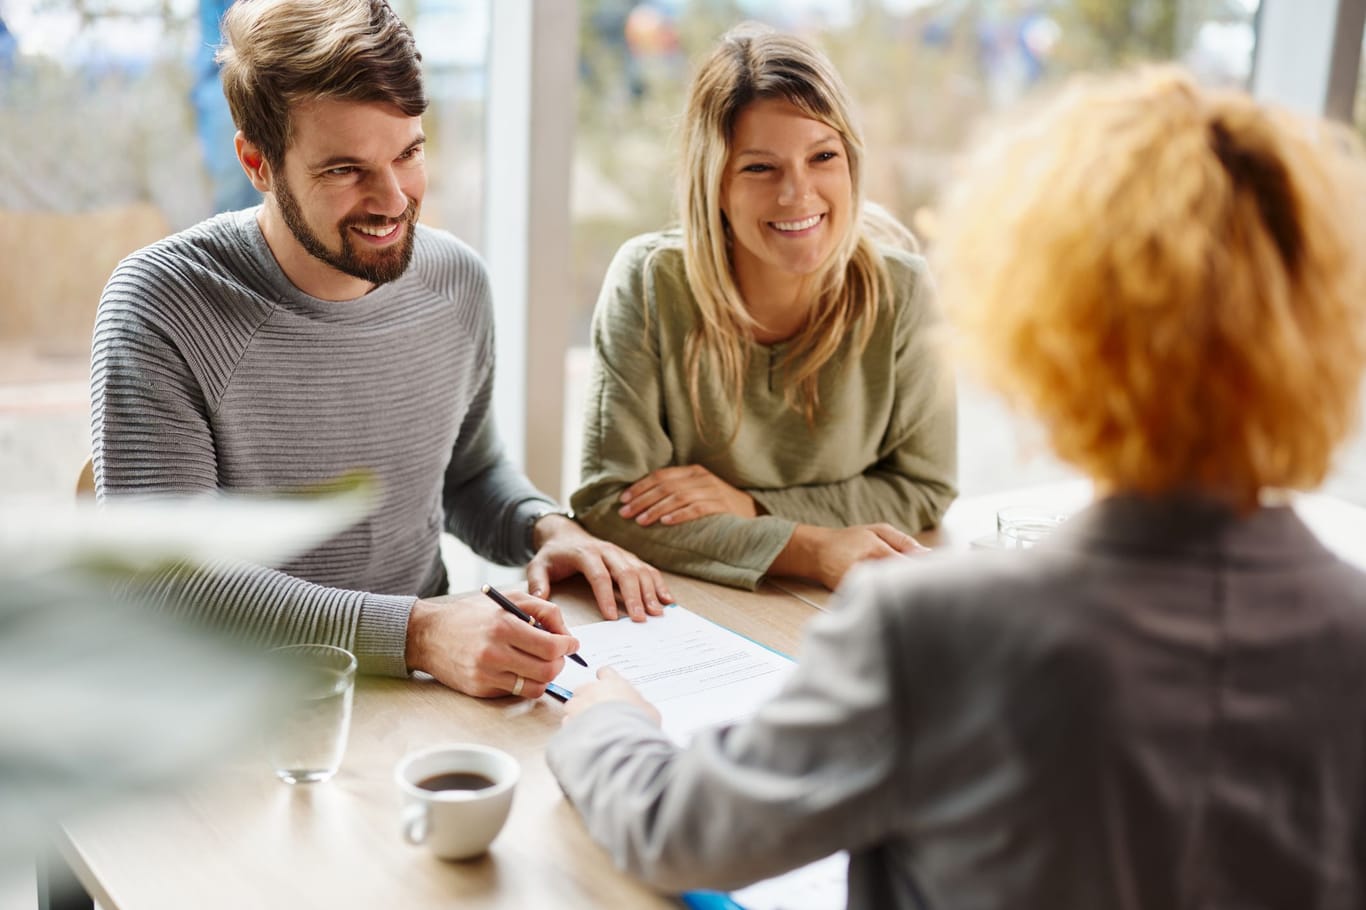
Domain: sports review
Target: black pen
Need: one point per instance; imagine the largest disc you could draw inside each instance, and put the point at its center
(497, 597)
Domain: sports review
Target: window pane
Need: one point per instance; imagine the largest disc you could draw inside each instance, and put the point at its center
(453, 36)
(921, 72)
(1359, 108)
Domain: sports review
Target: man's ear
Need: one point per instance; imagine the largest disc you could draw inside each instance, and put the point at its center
(253, 162)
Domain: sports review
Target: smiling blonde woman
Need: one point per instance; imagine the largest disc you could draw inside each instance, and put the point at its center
(766, 394)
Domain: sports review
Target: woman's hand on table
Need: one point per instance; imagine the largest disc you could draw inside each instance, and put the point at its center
(824, 555)
(682, 493)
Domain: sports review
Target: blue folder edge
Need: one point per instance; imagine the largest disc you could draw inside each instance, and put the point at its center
(708, 900)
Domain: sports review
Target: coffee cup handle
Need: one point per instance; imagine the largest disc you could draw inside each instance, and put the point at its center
(415, 823)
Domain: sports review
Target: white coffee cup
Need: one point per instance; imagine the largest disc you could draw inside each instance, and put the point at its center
(456, 816)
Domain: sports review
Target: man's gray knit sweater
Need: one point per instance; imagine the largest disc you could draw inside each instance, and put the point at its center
(211, 371)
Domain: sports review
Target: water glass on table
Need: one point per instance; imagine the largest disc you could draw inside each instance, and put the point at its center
(309, 738)
(1020, 527)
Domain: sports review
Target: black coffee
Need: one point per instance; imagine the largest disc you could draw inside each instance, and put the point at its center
(455, 780)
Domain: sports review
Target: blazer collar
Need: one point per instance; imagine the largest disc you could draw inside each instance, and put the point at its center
(1191, 527)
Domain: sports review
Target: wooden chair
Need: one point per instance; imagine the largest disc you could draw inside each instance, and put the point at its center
(85, 482)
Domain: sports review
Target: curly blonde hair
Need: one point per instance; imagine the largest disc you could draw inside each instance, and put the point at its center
(1172, 278)
(749, 63)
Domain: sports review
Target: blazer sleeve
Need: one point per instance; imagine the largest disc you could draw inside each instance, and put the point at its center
(815, 771)
(625, 438)
(913, 481)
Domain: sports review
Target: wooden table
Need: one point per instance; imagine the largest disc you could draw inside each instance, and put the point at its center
(241, 839)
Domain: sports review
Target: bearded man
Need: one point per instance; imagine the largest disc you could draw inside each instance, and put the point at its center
(324, 331)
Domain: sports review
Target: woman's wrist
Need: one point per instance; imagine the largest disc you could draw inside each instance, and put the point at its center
(801, 557)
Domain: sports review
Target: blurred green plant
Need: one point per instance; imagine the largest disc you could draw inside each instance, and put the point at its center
(109, 693)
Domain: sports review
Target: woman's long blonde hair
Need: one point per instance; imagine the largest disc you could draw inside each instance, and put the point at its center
(752, 63)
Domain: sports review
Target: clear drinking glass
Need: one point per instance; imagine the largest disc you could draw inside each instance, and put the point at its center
(307, 743)
(1021, 527)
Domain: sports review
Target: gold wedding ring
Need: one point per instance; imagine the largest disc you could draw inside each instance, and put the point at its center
(517, 687)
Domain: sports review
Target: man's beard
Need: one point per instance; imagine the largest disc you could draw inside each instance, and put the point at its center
(378, 267)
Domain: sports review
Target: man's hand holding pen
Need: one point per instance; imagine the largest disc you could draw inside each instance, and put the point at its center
(501, 600)
(476, 646)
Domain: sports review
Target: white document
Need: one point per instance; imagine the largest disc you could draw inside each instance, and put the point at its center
(699, 674)
(822, 885)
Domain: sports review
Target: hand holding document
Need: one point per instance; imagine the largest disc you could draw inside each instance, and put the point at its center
(695, 672)
(699, 674)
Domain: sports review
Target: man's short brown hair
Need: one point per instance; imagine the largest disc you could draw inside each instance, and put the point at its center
(277, 53)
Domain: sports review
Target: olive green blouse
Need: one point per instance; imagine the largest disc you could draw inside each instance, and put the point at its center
(883, 448)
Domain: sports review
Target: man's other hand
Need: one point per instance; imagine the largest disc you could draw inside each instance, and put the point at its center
(563, 548)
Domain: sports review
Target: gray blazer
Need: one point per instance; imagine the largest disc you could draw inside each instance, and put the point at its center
(1161, 707)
